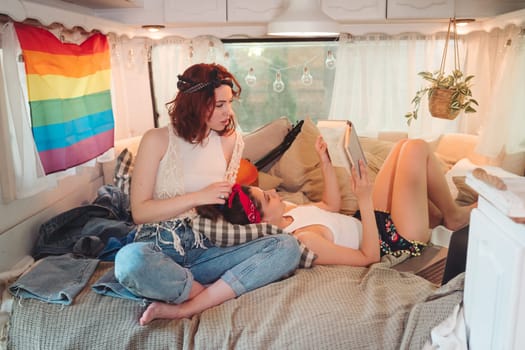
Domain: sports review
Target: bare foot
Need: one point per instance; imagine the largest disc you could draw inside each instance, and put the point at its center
(460, 218)
(160, 310)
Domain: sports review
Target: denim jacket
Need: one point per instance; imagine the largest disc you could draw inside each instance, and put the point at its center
(85, 230)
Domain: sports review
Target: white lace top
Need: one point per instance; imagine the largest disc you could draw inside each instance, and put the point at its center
(187, 167)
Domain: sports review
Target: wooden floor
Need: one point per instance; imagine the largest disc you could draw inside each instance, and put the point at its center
(430, 265)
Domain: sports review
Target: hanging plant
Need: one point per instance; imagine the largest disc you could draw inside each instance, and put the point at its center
(447, 95)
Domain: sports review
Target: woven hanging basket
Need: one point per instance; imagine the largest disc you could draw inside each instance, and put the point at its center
(439, 104)
(440, 100)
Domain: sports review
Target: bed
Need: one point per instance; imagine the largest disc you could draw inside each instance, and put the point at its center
(385, 306)
(332, 307)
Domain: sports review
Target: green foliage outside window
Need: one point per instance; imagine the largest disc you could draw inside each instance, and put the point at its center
(307, 80)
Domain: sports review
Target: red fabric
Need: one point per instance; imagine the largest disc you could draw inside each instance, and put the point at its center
(249, 207)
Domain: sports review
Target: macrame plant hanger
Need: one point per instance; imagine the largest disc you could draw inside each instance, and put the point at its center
(439, 102)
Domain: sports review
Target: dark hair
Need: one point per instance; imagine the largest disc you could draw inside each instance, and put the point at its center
(195, 102)
(235, 214)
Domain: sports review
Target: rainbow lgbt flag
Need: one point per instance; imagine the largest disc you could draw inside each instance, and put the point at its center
(69, 96)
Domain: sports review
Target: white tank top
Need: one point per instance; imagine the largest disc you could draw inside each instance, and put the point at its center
(187, 167)
(346, 230)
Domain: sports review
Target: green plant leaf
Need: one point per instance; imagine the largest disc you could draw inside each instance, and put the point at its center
(469, 78)
(456, 81)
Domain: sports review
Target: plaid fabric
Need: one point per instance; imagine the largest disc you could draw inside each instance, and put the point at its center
(224, 234)
(123, 170)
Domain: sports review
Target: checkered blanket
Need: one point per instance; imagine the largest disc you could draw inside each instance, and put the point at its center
(224, 234)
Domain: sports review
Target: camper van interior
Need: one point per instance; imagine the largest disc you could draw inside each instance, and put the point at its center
(297, 62)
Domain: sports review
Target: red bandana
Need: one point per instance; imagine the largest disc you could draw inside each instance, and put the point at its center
(249, 207)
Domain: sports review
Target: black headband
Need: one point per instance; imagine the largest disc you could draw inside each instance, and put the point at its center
(189, 86)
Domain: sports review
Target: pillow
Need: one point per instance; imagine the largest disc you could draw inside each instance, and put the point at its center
(466, 194)
(123, 170)
(268, 182)
(261, 141)
(299, 169)
(108, 166)
(269, 159)
(299, 161)
(247, 174)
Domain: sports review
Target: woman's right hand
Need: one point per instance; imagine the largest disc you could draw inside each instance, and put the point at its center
(216, 193)
(361, 185)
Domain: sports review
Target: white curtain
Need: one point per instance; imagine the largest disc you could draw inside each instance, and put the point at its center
(503, 127)
(130, 90)
(171, 56)
(22, 175)
(377, 78)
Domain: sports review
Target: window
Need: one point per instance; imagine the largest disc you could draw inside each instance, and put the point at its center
(281, 78)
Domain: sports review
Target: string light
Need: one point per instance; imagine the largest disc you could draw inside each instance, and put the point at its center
(250, 78)
(278, 85)
(330, 60)
(306, 78)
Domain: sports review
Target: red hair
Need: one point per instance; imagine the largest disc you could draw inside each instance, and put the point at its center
(190, 111)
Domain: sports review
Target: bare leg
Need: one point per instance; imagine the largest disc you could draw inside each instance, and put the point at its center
(454, 215)
(384, 182)
(409, 179)
(196, 288)
(435, 217)
(215, 294)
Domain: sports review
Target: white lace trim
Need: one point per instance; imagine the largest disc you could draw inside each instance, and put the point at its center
(171, 227)
(170, 180)
(233, 167)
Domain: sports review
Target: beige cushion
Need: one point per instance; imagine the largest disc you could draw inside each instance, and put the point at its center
(268, 182)
(455, 146)
(261, 141)
(299, 167)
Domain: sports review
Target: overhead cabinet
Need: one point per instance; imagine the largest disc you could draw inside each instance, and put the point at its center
(195, 11)
(486, 8)
(356, 10)
(254, 11)
(412, 9)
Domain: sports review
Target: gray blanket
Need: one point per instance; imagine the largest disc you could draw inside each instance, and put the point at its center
(326, 307)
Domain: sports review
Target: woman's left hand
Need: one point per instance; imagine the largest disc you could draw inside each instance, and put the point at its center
(322, 149)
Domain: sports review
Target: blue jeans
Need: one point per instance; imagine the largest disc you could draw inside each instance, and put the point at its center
(55, 279)
(154, 269)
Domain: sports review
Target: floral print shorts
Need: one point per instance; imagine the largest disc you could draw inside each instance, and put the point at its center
(390, 241)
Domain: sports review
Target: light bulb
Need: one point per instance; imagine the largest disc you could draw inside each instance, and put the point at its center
(250, 78)
(306, 78)
(278, 85)
(330, 60)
